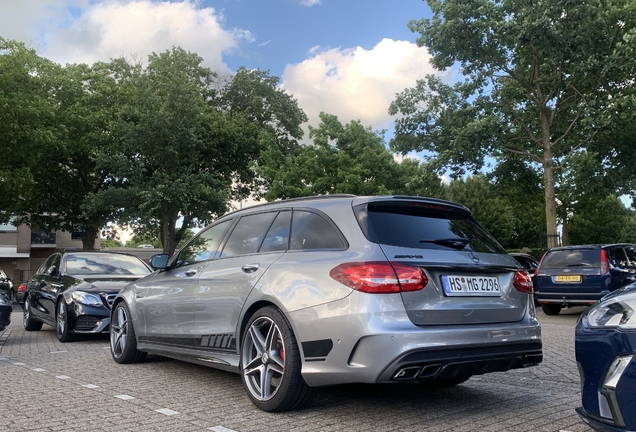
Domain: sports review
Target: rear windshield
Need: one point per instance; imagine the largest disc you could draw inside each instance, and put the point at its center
(572, 258)
(413, 225)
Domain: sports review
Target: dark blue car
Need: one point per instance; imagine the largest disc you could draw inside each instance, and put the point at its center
(606, 357)
(580, 275)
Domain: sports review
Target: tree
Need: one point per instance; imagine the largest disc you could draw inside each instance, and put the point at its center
(26, 118)
(192, 139)
(488, 208)
(543, 80)
(61, 126)
(518, 183)
(347, 158)
(602, 221)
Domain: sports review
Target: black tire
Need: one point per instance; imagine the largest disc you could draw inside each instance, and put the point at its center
(62, 327)
(123, 342)
(27, 318)
(443, 383)
(551, 309)
(269, 346)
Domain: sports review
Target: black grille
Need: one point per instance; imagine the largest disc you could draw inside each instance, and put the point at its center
(86, 323)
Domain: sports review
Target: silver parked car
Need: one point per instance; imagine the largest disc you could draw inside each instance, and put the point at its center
(336, 289)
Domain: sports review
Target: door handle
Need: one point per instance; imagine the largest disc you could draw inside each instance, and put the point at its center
(250, 268)
(190, 272)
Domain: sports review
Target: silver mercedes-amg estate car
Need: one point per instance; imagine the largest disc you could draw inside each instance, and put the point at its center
(336, 289)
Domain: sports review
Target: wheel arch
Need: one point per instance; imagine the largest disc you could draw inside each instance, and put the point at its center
(248, 314)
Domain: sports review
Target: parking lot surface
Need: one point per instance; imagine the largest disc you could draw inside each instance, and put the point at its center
(53, 386)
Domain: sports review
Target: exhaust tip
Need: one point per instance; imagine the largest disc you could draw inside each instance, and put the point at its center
(407, 373)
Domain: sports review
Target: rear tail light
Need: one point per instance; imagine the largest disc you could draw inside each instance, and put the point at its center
(22, 287)
(380, 277)
(604, 263)
(523, 282)
(536, 271)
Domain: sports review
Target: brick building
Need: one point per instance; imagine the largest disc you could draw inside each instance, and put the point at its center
(23, 250)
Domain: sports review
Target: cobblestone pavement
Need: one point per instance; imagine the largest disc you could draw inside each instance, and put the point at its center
(51, 386)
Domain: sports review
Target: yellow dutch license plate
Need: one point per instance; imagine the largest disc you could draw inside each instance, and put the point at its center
(568, 278)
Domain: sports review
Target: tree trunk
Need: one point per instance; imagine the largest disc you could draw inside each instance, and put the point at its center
(550, 202)
(565, 241)
(88, 238)
(168, 228)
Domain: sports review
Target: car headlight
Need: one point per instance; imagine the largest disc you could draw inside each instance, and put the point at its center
(614, 312)
(87, 299)
(4, 300)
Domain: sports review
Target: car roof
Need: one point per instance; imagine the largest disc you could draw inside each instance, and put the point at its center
(591, 246)
(349, 198)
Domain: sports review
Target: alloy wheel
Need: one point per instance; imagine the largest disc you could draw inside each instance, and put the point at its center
(119, 332)
(61, 318)
(26, 315)
(263, 358)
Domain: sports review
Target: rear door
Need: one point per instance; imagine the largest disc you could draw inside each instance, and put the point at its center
(470, 275)
(224, 283)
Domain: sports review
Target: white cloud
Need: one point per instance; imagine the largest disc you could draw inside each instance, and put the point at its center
(310, 2)
(79, 31)
(356, 84)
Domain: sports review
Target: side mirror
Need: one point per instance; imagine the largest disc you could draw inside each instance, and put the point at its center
(159, 261)
(53, 271)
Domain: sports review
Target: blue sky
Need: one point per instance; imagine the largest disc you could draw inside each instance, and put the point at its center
(345, 57)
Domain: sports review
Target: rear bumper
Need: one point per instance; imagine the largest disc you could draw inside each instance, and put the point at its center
(385, 346)
(449, 363)
(569, 299)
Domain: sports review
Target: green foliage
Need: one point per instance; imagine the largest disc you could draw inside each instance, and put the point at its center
(140, 239)
(517, 182)
(347, 158)
(543, 80)
(490, 210)
(62, 123)
(191, 139)
(110, 243)
(602, 221)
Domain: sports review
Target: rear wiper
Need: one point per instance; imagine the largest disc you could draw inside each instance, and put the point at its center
(580, 265)
(458, 243)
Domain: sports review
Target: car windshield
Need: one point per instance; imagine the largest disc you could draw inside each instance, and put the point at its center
(414, 225)
(572, 258)
(105, 264)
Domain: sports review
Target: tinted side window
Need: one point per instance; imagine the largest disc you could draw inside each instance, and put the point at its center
(572, 258)
(312, 231)
(277, 238)
(618, 258)
(204, 246)
(247, 235)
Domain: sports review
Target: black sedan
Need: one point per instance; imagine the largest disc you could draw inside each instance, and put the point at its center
(73, 291)
(606, 356)
(5, 285)
(5, 310)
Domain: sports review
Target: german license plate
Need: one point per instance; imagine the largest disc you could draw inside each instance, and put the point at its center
(568, 278)
(471, 285)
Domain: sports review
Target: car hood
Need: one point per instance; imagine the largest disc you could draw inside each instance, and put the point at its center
(102, 283)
